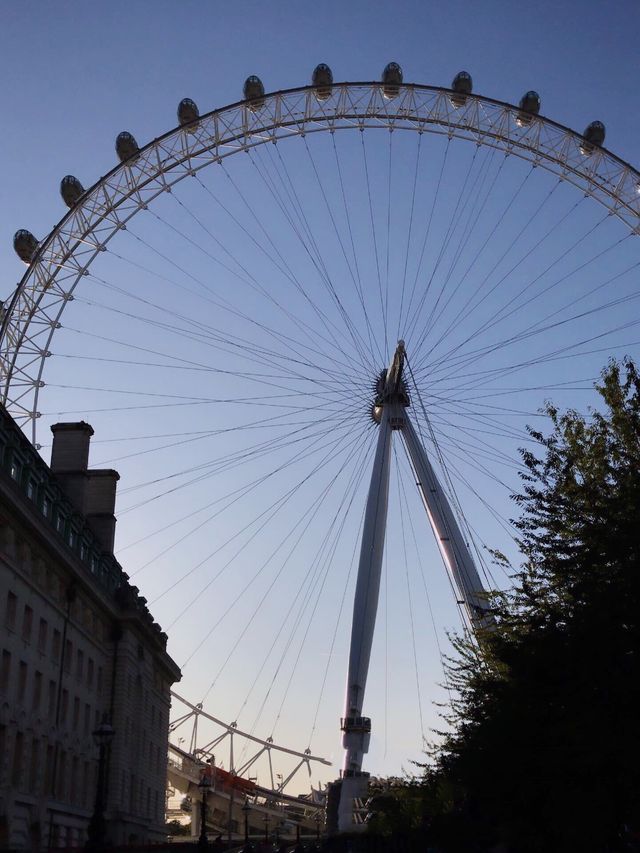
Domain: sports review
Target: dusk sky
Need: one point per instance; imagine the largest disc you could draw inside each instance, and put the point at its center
(75, 75)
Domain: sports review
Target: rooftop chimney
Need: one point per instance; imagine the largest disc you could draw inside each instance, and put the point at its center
(93, 493)
(70, 458)
(100, 504)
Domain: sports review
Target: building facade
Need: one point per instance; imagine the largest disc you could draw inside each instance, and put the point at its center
(78, 646)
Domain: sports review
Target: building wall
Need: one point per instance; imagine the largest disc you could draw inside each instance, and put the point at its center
(138, 768)
(77, 644)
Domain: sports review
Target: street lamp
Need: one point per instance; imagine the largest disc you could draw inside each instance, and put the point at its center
(204, 784)
(246, 808)
(102, 737)
(318, 820)
(266, 829)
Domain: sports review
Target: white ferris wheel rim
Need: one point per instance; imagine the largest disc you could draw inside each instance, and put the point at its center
(63, 258)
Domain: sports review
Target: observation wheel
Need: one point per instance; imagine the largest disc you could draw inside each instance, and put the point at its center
(239, 308)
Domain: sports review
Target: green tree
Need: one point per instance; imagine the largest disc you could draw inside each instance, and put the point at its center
(397, 809)
(544, 752)
(174, 827)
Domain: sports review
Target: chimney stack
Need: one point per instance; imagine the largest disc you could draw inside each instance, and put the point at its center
(100, 504)
(70, 458)
(92, 492)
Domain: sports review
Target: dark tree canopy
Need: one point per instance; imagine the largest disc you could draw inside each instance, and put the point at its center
(544, 752)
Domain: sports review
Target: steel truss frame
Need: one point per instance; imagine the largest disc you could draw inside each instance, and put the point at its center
(231, 732)
(63, 258)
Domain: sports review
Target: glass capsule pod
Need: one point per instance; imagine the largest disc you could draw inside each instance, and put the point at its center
(462, 86)
(391, 80)
(529, 107)
(322, 79)
(71, 190)
(253, 91)
(593, 137)
(25, 245)
(188, 113)
(126, 146)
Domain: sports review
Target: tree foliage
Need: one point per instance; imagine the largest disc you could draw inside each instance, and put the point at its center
(544, 752)
(174, 827)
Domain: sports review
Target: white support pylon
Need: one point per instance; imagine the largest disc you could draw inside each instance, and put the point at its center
(365, 603)
(453, 547)
(389, 411)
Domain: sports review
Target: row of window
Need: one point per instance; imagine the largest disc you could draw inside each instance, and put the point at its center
(40, 695)
(30, 763)
(84, 670)
(59, 512)
(65, 520)
(150, 714)
(147, 751)
(33, 477)
(53, 585)
(141, 799)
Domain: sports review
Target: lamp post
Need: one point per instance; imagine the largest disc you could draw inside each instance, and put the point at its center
(204, 784)
(246, 808)
(102, 737)
(266, 829)
(318, 820)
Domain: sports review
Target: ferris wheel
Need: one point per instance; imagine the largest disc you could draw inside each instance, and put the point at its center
(249, 306)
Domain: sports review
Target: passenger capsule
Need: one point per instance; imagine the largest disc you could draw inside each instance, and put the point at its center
(529, 107)
(25, 245)
(71, 190)
(593, 137)
(188, 113)
(126, 146)
(462, 86)
(391, 80)
(322, 79)
(253, 91)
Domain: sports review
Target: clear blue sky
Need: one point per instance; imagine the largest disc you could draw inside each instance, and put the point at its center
(75, 74)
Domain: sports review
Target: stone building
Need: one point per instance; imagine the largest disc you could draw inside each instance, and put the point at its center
(78, 645)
